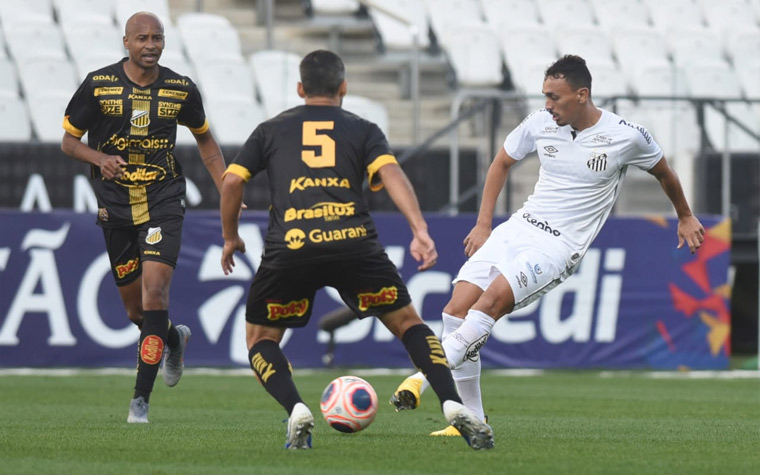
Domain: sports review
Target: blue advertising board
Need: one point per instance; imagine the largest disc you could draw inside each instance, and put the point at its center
(635, 302)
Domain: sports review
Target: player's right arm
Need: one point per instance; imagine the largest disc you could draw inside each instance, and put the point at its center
(231, 199)
(495, 180)
(110, 165)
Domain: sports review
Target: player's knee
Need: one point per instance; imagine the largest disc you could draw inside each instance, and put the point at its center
(399, 321)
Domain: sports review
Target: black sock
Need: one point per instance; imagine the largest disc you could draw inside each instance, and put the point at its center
(427, 354)
(152, 340)
(274, 372)
(172, 338)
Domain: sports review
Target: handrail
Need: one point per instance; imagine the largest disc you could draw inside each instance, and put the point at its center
(414, 63)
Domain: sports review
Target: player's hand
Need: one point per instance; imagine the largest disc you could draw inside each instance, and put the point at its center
(423, 250)
(691, 232)
(475, 239)
(111, 166)
(242, 207)
(228, 253)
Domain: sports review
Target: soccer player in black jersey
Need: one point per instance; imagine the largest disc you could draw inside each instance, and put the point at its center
(131, 110)
(321, 234)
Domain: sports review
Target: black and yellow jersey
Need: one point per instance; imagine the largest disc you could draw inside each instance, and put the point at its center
(316, 158)
(139, 124)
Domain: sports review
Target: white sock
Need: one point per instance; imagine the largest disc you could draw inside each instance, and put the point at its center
(465, 342)
(467, 378)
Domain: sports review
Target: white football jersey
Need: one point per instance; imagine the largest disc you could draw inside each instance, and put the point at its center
(580, 178)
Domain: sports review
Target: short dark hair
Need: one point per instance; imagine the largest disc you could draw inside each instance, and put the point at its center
(322, 73)
(573, 69)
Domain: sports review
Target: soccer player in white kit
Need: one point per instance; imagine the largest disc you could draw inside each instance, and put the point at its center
(584, 153)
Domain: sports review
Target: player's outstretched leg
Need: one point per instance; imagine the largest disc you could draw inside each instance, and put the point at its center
(174, 357)
(477, 433)
(300, 425)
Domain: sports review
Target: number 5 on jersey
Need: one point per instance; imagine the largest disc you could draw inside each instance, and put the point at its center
(313, 138)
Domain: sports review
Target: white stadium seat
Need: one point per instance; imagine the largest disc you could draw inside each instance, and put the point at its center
(743, 47)
(508, 13)
(178, 63)
(738, 140)
(32, 40)
(47, 111)
(749, 79)
(447, 15)
(226, 80)
(15, 125)
(588, 42)
(658, 78)
(669, 15)
(607, 80)
(86, 64)
(211, 42)
(276, 76)
(93, 39)
(123, 9)
(475, 55)
(233, 121)
(561, 13)
(529, 43)
(613, 14)
(184, 136)
(712, 80)
(727, 16)
(36, 75)
(15, 12)
(693, 45)
(368, 109)
(8, 78)
(3, 52)
(395, 36)
(334, 7)
(71, 12)
(188, 21)
(635, 46)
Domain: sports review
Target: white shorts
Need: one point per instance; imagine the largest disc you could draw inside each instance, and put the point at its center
(532, 261)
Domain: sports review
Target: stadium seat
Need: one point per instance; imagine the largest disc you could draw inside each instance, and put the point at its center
(8, 78)
(712, 80)
(749, 79)
(226, 80)
(726, 16)
(395, 36)
(635, 46)
(233, 121)
(673, 15)
(46, 111)
(211, 42)
(188, 21)
(86, 64)
(612, 14)
(185, 137)
(368, 109)
(17, 12)
(447, 15)
(529, 43)
(738, 140)
(502, 14)
(32, 40)
(475, 55)
(178, 63)
(69, 12)
(693, 45)
(94, 39)
(743, 46)
(123, 9)
(658, 78)
(334, 7)
(589, 42)
(15, 125)
(607, 80)
(531, 81)
(3, 52)
(276, 76)
(557, 14)
(36, 74)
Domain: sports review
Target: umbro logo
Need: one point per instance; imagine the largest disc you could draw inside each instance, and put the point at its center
(550, 150)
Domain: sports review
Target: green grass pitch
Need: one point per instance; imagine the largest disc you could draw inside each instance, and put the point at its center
(551, 423)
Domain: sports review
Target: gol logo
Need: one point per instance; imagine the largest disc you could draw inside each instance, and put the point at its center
(296, 308)
(126, 269)
(295, 238)
(151, 349)
(386, 296)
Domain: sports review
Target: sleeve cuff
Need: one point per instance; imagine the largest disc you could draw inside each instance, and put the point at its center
(238, 170)
(376, 165)
(68, 127)
(199, 130)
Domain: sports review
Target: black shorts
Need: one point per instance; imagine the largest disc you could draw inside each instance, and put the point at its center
(369, 285)
(128, 246)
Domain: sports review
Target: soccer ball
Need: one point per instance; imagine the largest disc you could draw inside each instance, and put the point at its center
(349, 404)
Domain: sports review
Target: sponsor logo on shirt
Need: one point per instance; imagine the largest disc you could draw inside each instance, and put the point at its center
(318, 236)
(522, 280)
(550, 129)
(181, 82)
(542, 225)
(149, 143)
(600, 138)
(105, 77)
(140, 175)
(386, 296)
(108, 91)
(295, 308)
(641, 129)
(172, 93)
(302, 182)
(168, 110)
(327, 211)
(550, 150)
(295, 238)
(112, 107)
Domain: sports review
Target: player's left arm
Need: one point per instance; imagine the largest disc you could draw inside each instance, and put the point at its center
(401, 192)
(233, 186)
(690, 230)
(212, 157)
